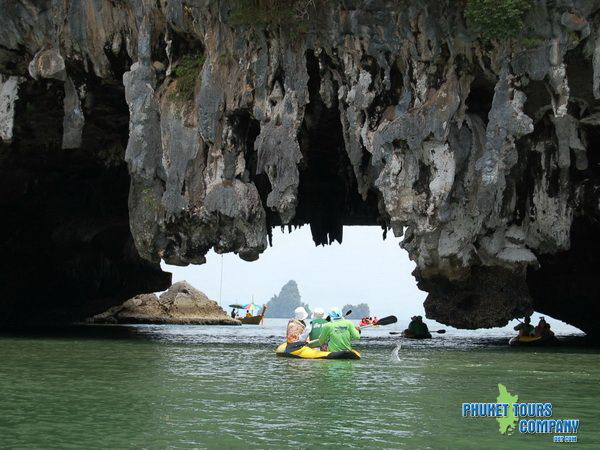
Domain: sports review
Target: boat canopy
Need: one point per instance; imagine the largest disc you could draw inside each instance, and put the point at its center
(253, 308)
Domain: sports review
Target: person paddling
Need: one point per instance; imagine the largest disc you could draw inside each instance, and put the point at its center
(540, 329)
(313, 331)
(339, 333)
(417, 328)
(296, 326)
(525, 328)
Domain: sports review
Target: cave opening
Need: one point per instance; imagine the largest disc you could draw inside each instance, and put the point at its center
(365, 268)
(84, 190)
(67, 248)
(566, 283)
(480, 98)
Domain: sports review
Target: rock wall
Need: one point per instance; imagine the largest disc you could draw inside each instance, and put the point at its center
(481, 153)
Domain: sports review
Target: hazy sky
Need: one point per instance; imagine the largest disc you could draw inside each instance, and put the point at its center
(366, 268)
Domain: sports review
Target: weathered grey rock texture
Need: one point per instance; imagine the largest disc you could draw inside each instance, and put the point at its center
(181, 304)
(483, 155)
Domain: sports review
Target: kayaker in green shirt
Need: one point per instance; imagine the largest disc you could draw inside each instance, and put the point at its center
(339, 333)
(316, 325)
(313, 331)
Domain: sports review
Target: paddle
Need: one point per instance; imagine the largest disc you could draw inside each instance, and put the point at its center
(434, 331)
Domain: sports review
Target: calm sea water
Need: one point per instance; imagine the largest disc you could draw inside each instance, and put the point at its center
(223, 387)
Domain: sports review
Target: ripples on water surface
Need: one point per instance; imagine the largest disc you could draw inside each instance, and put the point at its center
(199, 387)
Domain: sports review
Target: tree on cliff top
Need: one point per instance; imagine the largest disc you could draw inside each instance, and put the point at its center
(358, 311)
(282, 306)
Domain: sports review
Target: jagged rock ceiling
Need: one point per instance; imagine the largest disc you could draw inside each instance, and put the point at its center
(482, 154)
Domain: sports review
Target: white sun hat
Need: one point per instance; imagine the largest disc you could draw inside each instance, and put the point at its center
(318, 313)
(300, 313)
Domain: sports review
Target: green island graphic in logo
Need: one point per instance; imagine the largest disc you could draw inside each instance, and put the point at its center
(508, 423)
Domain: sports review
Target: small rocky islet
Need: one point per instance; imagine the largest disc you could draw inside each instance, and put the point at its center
(181, 304)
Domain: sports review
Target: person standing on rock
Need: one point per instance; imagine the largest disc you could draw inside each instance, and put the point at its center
(296, 326)
(339, 333)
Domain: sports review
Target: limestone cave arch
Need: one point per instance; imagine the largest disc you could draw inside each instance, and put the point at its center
(134, 132)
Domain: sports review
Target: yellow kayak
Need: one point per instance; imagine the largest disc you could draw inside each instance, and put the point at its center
(295, 351)
(532, 341)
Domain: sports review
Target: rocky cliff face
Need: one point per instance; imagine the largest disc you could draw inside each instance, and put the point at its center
(480, 152)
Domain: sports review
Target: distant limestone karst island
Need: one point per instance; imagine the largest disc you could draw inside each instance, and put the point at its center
(358, 311)
(282, 306)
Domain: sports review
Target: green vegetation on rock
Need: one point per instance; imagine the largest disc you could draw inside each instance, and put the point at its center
(185, 74)
(494, 19)
(290, 15)
(529, 42)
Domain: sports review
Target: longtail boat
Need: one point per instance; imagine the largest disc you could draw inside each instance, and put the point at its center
(253, 319)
